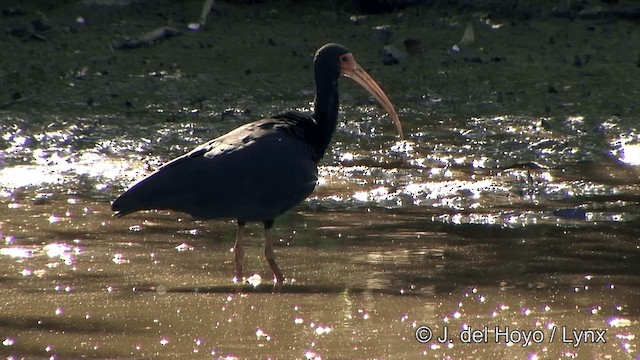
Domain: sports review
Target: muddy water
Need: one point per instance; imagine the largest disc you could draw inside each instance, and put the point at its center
(509, 229)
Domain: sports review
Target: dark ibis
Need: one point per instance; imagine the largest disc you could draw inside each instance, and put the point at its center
(259, 170)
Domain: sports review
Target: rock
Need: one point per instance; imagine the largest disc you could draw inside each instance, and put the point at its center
(357, 19)
(40, 26)
(598, 12)
(381, 33)
(628, 13)
(594, 13)
(381, 6)
(391, 55)
(18, 31)
(13, 12)
(414, 47)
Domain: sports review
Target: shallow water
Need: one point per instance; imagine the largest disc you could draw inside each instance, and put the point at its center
(489, 217)
(438, 232)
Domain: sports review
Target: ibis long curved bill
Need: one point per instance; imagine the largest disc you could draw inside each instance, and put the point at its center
(351, 69)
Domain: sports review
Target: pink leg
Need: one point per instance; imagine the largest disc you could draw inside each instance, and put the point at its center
(268, 253)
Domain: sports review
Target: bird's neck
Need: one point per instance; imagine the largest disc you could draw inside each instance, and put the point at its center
(325, 112)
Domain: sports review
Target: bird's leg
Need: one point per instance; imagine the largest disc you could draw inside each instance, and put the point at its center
(238, 251)
(268, 252)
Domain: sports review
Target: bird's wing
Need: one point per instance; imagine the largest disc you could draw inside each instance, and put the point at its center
(295, 123)
(258, 170)
(292, 123)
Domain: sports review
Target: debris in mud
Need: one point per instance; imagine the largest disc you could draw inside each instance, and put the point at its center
(204, 14)
(149, 38)
(468, 38)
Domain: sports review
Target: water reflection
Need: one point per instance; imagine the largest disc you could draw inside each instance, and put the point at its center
(629, 153)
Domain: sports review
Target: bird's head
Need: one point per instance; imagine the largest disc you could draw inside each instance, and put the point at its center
(333, 60)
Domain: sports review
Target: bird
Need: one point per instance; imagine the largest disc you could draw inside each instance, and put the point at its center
(259, 170)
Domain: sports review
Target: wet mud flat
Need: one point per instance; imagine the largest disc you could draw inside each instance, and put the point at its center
(507, 221)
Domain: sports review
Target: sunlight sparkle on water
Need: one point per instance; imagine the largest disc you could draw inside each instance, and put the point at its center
(54, 250)
(26, 272)
(26, 175)
(56, 169)
(60, 250)
(323, 330)
(119, 259)
(630, 153)
(347, 157)
(54, 219)
(184, 247)
(625, 336)
(261, 334)
(254, 280)
(619, 322)
(16, 252)
(403, 146)
(310, 355)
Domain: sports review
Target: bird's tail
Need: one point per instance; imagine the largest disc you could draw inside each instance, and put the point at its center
(119, 212)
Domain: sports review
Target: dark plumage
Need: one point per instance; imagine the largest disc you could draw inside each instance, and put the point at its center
(253, 173)
(259, 170)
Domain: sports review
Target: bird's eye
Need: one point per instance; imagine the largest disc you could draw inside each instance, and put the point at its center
(344, 58)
